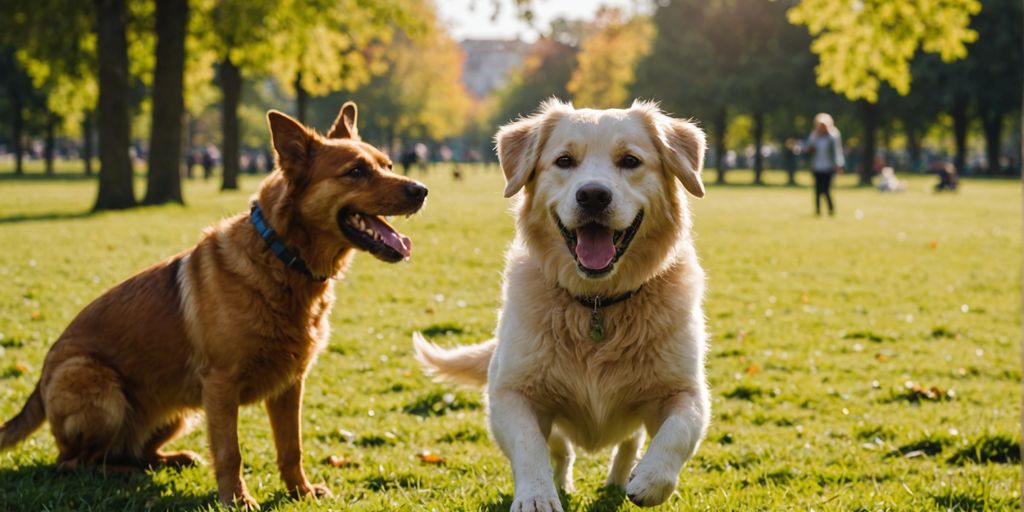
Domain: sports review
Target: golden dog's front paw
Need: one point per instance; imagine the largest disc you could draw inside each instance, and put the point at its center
(311, 490)
(649, 487)
(539, 503)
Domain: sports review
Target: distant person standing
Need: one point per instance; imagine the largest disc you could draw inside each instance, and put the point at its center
(825, 146)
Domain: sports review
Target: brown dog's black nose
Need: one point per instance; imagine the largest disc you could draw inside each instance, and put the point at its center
(415, 190)
(593, 197)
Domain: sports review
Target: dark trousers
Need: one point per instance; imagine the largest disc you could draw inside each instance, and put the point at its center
(823, 187)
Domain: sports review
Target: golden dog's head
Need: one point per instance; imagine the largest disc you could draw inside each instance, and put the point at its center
(604, 186)
(342, 187)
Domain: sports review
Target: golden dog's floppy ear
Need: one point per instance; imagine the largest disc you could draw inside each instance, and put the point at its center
(292, 141)
(684, 152)
(518, 151)
(681, 145)
(345, 125)
(520, 143)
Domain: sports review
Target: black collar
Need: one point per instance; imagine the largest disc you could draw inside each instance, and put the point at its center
(597, 302)
(290, 258)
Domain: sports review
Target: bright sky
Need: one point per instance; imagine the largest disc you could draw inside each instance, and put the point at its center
(471, 19)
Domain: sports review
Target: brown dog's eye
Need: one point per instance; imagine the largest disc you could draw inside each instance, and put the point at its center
(358, 171)
(565, 162)
(629, 162)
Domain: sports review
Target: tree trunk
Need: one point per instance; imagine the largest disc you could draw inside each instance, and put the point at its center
(231, 89)
(164, 181)
(992, 125)
(49, 142)
(18, 134)
(867, 166)
(301, 98)
(913, 146)
(959, 113)
(721, 125)
(115, 183)
(87, 143)
(758, 141)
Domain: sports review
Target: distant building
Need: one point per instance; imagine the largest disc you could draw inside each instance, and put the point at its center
(489, 63)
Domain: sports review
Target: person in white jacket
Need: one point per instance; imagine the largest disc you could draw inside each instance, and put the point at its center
(825, 146)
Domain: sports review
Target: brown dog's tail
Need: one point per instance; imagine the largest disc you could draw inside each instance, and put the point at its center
(30, 418)
(467, 364)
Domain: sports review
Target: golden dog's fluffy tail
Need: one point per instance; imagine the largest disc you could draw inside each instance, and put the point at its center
(467, 364)
(30, 418)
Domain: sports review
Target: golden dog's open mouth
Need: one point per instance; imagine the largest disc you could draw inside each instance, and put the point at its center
(374, 235)
(596, 247)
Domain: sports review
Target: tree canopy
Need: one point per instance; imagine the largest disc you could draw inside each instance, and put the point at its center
(862, 43)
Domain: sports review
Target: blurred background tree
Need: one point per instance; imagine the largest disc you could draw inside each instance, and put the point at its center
(166, 85)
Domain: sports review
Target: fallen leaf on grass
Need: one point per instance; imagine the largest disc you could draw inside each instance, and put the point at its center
(37, 315)
(16, 370)
(427, 457)
(916, 392)
(339, 461)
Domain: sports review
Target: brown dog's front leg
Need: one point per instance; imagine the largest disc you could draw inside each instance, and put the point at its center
(285, 411)
(220, 399)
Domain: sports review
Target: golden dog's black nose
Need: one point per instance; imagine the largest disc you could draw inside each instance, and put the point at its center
(593, 197)
(415, 190)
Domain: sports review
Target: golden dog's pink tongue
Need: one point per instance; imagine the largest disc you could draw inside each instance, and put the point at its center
(594, 246)
(390, 237)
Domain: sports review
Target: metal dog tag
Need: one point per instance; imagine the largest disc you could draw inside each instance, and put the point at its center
(596, 325)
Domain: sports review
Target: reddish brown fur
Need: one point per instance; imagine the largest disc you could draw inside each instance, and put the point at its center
(217, 326)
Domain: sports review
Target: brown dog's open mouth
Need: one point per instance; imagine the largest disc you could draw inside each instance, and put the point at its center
(374, 235)
(597, 247)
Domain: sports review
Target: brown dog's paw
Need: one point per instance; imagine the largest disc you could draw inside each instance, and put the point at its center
(177, 460)
(311, 490)
(243, 502)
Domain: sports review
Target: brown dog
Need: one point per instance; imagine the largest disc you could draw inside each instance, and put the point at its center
(236, 319)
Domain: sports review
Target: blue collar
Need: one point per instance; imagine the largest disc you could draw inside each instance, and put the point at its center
(290, 258)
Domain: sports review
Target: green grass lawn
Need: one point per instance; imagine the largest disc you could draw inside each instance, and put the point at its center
(820, 328)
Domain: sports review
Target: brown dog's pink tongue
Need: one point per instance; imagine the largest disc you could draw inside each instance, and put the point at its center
(594, 246)
(390, 237)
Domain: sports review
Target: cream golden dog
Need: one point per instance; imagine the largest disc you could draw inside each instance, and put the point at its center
(602, 331)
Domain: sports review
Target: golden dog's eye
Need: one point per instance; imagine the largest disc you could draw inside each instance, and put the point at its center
(565, 162)
(629, 162)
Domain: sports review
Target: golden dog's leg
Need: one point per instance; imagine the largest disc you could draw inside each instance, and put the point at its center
(522, 435)
(562, 458)
(221, 400)
(285, 411)
(624, 458)
(676, 427)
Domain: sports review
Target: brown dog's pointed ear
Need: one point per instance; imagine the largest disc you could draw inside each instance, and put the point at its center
(345, 125)
(292, 141)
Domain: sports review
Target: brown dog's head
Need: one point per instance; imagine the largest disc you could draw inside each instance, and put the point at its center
(341, 188)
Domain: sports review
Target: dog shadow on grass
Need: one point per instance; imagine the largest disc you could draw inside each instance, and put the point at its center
(609, 499)
(45, 487)
(18, 218)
